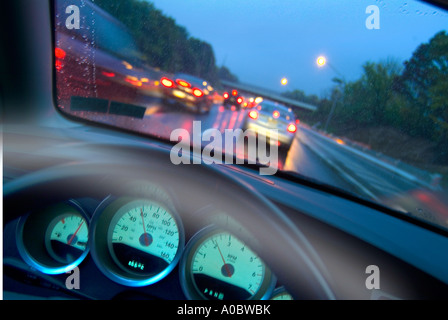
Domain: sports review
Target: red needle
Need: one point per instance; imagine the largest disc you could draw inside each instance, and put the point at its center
(224, 261)
(144, 229)
(73, 236)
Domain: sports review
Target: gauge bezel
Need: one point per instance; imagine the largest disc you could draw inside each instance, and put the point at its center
(186, 275)
(31, 237)
(102, 220)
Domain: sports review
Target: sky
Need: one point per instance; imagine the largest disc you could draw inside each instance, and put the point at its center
(262, 41)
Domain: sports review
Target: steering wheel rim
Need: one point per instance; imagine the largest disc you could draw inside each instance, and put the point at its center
(290, 256)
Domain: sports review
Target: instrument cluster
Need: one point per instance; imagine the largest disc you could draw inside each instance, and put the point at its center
(137, 240)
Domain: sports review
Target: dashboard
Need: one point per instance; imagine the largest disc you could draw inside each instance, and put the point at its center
(136, 242)
(96, 218)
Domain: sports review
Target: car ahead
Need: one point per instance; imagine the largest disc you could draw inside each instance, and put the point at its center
(93, 211)
(191, 91)
(269, 115)
(108, 57)
(233, 99)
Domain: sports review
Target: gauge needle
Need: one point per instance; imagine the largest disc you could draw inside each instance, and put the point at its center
(144, 229)
(73, 236)
(224, 261)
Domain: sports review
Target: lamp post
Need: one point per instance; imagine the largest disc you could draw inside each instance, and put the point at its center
(321, 61)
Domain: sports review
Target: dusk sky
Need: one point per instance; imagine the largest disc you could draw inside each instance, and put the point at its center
(262, 41)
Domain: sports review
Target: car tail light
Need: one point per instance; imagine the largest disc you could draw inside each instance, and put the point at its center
(234, 93)
(108, 74)
(292, 128)
(59, 53)
(183, 83)
(198, 92)
(239, 100)
(276, 114)
(226, 95)
(253, 114)
(167, 82)
(59, 65)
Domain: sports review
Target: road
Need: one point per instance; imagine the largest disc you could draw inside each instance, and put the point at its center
(369, 176)
(311, 154)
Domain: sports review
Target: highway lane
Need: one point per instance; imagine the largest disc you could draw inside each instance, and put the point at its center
(371, 179)
(311, 154)
(300, 158)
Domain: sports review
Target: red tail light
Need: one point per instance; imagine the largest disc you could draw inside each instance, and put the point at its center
(183, 83)
(59, 65)
(167, 82)
(253, 114)
(239, 100)
(276, 114)
(292, 128)
(59, 53)
(234, 93)
(108, 74)
(226, 95)
(198, 92)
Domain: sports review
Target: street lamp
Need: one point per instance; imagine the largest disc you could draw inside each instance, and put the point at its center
(322, 61)
(284, 81)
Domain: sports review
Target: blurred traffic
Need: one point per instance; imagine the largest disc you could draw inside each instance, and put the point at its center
(103, 76)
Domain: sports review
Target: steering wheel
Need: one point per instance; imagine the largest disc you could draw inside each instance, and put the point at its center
(275, 238)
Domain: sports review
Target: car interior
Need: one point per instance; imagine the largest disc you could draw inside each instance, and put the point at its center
(291, 235)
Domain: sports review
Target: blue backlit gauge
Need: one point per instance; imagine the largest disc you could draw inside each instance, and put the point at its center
(218, 266)
(67, 237)
(145, 240)
(54, 239)
(281, 294)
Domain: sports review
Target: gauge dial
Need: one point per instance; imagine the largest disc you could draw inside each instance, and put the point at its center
(144, 238)
(67, 237)
(54, 239)
(221, 267)
(281, 294)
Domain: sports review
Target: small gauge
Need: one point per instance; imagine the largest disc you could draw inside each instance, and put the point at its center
(218, 266)
(66, 237)
(54, 239)
(281, 294)
(145, 240)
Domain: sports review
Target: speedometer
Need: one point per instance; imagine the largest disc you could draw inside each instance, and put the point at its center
(136, 241)
(218, 266)
(144, 237)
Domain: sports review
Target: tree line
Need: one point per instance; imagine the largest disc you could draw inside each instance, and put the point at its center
(163, 43)
(411, 98)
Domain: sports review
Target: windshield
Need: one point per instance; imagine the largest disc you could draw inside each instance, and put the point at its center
(353, 94)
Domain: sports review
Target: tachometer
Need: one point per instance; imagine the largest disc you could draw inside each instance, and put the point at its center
(218, 266)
